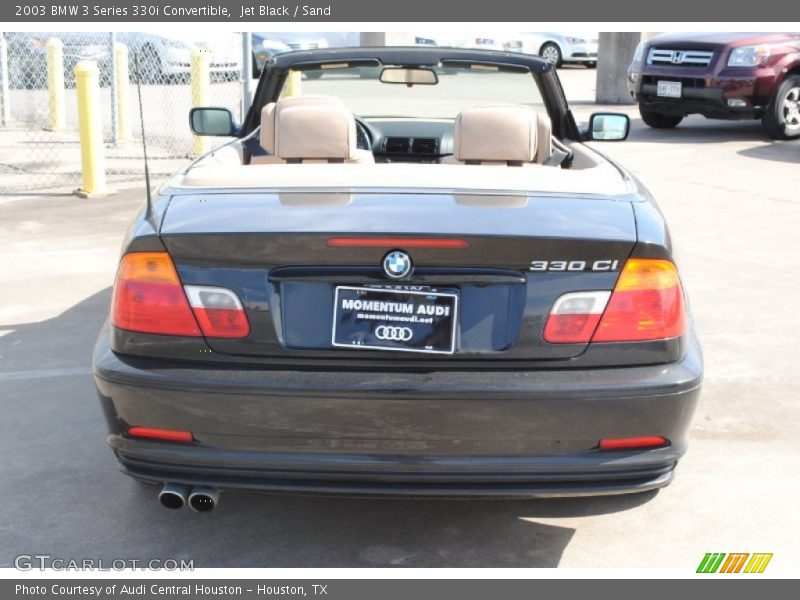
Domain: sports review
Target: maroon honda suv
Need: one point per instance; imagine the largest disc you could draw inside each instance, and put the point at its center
(719, 76)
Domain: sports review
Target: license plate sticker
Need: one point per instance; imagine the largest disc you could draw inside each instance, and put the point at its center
(670, 89)
(402, 320)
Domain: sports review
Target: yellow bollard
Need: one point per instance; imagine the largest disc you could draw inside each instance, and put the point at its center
(291, 87)
(123, 91)
(90, 128)
(201, 82)
(55, 84)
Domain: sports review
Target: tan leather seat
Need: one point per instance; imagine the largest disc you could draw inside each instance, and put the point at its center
(513, 135)
(304, 129)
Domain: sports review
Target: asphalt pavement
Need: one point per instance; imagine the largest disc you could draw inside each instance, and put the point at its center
(731, 198)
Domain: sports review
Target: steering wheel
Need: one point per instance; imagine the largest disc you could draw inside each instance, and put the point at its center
(363, 139)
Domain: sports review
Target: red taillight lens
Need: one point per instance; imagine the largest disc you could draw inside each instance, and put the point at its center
(646, 441)
(647, 304)
(574, 317)
(149, 298)
(219, 311)
(154, 433)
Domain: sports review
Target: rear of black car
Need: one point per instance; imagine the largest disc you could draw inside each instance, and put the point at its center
(535, 346)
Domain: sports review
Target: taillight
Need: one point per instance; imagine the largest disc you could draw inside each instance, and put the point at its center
(574, 317)
(219, 311)
(647, 304)
(149, 298)
(399, 242)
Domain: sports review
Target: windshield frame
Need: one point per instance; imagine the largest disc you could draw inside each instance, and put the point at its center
(277, 70)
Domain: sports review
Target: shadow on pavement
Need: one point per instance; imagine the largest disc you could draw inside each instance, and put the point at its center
(788, 152)
(62, 494)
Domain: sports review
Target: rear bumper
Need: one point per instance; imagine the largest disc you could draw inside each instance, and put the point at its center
(485, 433)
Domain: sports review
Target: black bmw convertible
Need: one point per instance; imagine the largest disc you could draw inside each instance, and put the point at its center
(410, 276)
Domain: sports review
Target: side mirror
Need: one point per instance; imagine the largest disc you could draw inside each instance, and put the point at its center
(609, 127)
(205, 120)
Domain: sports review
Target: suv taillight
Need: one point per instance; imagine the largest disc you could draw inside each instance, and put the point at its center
(646, 304)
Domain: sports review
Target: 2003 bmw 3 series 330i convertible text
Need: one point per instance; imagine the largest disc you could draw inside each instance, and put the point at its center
(447, 294)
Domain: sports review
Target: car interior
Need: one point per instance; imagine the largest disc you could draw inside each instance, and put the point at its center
(319, 130)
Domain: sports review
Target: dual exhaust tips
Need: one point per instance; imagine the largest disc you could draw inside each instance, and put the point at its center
(199, 499)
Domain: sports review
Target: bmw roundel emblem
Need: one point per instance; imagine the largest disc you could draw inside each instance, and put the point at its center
(397, 264)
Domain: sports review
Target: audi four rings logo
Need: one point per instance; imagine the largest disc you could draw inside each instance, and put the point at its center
(393, 333)
(397, 264)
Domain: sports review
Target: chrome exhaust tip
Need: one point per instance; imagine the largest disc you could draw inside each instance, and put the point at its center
(173, 496)
(203, 499)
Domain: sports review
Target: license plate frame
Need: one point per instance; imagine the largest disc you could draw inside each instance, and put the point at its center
(350, 331)
(669, 89)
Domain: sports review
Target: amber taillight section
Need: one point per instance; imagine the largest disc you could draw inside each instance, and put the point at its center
(149, 298)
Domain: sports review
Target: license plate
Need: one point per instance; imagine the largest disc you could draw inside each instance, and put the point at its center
(392, 319)
(669, 89)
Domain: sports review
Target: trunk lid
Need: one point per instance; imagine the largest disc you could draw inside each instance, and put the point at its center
(275, 251)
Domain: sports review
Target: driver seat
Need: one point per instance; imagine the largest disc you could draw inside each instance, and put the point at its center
(309, 129)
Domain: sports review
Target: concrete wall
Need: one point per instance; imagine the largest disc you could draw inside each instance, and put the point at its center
(614, 56)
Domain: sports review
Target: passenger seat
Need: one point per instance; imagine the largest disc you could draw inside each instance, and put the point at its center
(513, 135)
(309, 129)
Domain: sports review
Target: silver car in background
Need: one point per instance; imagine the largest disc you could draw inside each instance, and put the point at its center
(558, 48)
(166, 57)
(266, 45)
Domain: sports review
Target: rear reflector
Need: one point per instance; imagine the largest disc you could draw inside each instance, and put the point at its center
(154, 433)
(574, 317)
(219, 311)
(648, 441)
(395, 242)
(647, 304)
(148, 297)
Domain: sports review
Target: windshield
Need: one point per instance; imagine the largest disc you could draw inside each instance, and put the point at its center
(458, 88)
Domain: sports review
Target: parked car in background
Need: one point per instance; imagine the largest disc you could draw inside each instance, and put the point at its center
(27, 56)
(720, 76)
(479, 41)
(273, 43)
(423, 40)
(558, 48)
(165, 57)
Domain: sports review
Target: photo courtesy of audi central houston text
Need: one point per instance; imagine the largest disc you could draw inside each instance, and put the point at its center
(402, 272)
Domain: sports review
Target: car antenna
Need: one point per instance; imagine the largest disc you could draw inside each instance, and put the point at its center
(144, 139)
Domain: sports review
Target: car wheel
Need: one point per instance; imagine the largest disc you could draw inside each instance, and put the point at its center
(591, 65)
(659, 120)
(782, 119)
(551, 53)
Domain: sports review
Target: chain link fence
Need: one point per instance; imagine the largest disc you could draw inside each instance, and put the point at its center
(39, 144)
